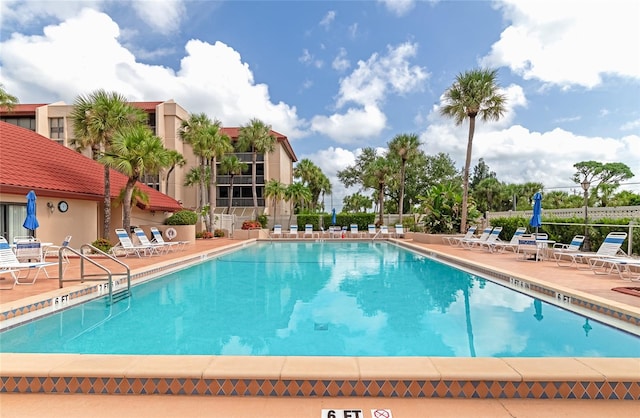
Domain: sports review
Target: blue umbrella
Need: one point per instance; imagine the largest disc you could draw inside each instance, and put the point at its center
(536, 219)
(333, 216)
(31, 222)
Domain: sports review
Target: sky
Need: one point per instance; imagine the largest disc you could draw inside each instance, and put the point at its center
(337, 76)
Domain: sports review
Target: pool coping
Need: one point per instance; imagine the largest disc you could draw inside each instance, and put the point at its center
(293, 376)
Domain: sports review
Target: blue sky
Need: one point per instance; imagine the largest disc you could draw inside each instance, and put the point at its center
(338, 76)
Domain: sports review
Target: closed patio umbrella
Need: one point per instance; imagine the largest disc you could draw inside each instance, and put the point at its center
(31, 222)
(536, 219)
(333, 216)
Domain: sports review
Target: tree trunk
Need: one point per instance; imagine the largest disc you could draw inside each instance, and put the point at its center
(254, 186)
(230, 196)
(107, 203)
(126, 205)
(465, 175)
(212, 192)
(381, 204)
(401, 203)
(166, 186)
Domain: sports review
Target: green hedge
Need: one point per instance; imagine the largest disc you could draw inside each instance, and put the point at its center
(182, 217)
(564, 233)
(342, 219)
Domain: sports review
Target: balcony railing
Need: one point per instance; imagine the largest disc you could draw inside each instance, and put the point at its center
(237, 180)
(239, 202)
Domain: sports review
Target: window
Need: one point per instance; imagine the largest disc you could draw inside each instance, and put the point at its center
(151, 180)
(27, 122)
(56, 129)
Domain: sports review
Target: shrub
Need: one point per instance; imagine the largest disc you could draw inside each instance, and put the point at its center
(218, 233)
(102, 244)
(182, 217)
(251, 225)
(204, 235)
(264, 221)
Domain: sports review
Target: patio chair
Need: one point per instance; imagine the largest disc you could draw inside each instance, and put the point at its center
(573, 247)
(488, 243)
(309, 232)
(144, 240)
(9, 264)
(502, 246)
(277, 231)
(399, 231)
(54, 251)
(384, 231)
(474, 240)
(371, 229)
(293, 231)
(173, 245)
(126, 247)
(353, 231)
(528, 248)
(627, 268)
(610, 248)
(457, 239)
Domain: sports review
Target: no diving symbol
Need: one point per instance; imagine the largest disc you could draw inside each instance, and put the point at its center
(381, 413)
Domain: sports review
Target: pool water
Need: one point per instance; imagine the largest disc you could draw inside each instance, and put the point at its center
(322, 298)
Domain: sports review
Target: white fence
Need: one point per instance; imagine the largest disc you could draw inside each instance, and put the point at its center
(632, 212)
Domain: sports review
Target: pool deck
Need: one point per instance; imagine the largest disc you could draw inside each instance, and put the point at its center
(303, 386)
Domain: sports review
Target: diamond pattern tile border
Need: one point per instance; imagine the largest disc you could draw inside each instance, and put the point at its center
(326, 388)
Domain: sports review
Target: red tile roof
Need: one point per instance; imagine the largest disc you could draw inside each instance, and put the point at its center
(29, 161)
(21, 109)
(234, 133)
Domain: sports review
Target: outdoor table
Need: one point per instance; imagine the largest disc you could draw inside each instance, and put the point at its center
(546, 247)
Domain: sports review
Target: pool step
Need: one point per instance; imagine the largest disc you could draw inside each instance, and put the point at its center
(118, 296)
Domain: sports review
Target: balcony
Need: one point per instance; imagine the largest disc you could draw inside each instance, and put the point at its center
(239, 180)
(241, 202)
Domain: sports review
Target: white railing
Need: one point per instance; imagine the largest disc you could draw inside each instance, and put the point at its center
(632, 212)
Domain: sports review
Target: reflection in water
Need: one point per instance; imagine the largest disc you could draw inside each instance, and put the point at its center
(342, 299)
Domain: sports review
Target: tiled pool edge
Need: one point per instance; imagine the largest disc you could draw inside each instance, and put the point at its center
(474, 378)
(482, 378)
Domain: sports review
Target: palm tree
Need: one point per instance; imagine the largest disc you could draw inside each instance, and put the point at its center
(97, 117)
(298, 194)
(377, 174)
(134, 152)
(256, 136)
(194, 178)
(406, 147)
(176, 159)
(276, 190)
(192, 132)
(220, 145)
(7, 101)
(232, 166)
(312, 177)
(473, 93)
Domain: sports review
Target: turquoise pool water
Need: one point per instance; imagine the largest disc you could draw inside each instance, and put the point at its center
(334, 299)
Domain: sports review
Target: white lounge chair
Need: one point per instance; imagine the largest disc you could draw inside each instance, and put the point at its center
(371, 229)
(173, 245)
(54, 251)
(144, 240)
(610, 248)
(126, 247)
(573, 247)
(457, 239)
(9, 264)
(399, 231)
(488, 243)
(502, 246)
(528, 248)
(474, 240)
(384, 231)
(293, 231)
(277, 231)
(309, 232)
(353, 231)
(626, 267)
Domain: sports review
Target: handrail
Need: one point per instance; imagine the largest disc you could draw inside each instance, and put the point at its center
(377, 233)
(88, 277)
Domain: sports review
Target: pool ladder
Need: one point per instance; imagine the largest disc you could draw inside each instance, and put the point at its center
(106, 274)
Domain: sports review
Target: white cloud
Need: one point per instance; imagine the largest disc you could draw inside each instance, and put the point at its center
(399, 7)
(162, 16)
(631, 125)
(328, 19)
(309, 59)
(371, 81)
(340, 62)
(227, 90)
(355, 125)
(26, 12)
(602, 40)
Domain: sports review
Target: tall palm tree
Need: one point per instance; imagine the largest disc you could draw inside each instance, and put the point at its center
(194, 178)
(97, 117)
(176, 159)
(256, 136)
(220, 145)
(7, 100)
(232, 166)
(134, 152)
(377, 174)
(298, 194)
(276, 190)
(192, 131)
(473, 93)
(406, 147)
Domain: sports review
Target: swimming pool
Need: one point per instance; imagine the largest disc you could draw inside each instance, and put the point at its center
(339, 299)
